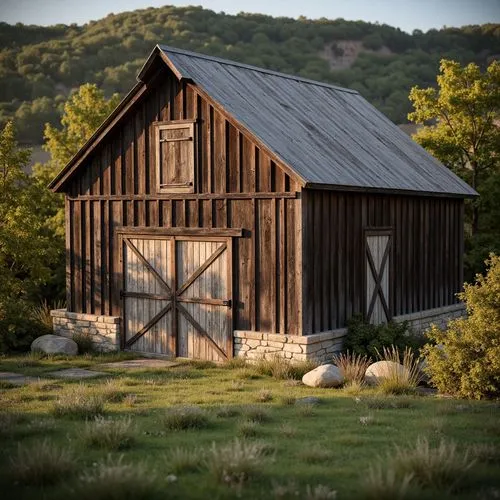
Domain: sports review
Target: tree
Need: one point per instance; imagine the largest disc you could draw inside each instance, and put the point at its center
(26, 249)
(461, 122)
(84, 111)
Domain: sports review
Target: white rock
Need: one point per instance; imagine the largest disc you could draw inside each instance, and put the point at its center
(54, 344)
(323, 376)
(382, 369)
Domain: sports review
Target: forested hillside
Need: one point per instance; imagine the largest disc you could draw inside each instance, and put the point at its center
(39, 66)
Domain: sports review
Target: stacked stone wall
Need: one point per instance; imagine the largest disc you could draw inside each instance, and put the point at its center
(104, 331)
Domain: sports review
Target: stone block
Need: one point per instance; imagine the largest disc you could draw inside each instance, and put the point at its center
(253, 343)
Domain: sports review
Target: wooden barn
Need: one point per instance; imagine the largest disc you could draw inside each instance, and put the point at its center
(224, 209)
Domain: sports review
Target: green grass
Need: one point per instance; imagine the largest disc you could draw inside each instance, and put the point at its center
(323, 448)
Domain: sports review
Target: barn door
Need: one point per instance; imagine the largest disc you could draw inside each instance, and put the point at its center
(378, 250)
(177, 296)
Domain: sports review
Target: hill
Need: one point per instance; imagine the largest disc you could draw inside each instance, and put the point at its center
(40, 65)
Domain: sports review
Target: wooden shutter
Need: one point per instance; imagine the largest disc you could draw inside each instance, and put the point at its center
(175, 146)
(378, 251)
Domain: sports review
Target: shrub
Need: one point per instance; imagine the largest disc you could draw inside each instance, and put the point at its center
(352, 366)
(79, 403)
(466, 361)
(180, 460)
(185, 417)
(41, 464)
(366, 339)
(41, 313)
(109, 434)
(113, 480)
(17, 332)
(399, 380)
(235, 462)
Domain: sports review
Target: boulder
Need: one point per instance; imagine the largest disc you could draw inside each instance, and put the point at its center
(382, 369)
(55, 344)
(323, 376)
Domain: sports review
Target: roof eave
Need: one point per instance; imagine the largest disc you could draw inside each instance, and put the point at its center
(405, 192)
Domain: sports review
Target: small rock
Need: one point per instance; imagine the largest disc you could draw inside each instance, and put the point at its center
(382, 369)
(323, 376)
(55, 344)
(309, 400)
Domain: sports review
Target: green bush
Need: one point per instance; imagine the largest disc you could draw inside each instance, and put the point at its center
(18, 332)
(366, 339)
(464, 360)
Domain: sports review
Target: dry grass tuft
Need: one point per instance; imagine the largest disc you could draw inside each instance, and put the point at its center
(315, 454)
(248, 428)
(109, 434)
(397, 380)
(283, 369)
(381, 483)
(179, 460)
(257, 414)
(184, 417)
(80, 403)
(352, 366)
(41, 464)
(236, 462)
(226, 411)
(114, 480)
(264, 396)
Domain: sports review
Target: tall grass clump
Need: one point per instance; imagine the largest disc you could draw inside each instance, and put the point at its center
(41, 464)
(184, 417)
(41, 313)
(442, 467)
(114, 480)
(397, 379)
(79, 403)
(280, 368)
(236, 462)
(84, 342)
(381, 482)
(109, 434)
(179, 460)
(352, 366)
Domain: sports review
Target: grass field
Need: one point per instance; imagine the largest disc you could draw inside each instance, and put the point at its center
(203, 431)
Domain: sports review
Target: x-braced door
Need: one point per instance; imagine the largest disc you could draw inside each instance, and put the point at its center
(177, 296)
(378, 250)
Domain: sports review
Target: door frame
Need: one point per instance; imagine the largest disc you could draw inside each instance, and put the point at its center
(379, 231)
(182, 234)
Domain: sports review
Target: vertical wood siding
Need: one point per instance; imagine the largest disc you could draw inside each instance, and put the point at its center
(117, 186)
(426, 260)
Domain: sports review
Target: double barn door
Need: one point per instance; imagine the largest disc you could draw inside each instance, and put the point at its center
(177, 296)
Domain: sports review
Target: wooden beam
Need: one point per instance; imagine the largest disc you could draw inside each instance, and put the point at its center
(181, 231)
(185, 196)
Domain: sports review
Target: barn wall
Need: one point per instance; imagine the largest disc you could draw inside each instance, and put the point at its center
(426, 262)
(237, 186)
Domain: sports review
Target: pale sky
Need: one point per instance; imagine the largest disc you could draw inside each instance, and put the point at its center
(405, 14)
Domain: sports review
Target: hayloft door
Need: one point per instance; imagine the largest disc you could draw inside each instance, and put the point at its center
(377, 253)
(177, 296)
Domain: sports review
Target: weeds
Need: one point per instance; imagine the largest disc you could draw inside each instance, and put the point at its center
(179, 460)
(41, 464)
(283, 369)
(226, 411)
(352, 366)
(402, 374)
(306, 410)
(315, 454)
(235, 363)
(114, 480)
(79, 403)
(184, 417)
(41, 313)
(111, 391)
(288, 430)
(248, 428)
(236, 462)
(264, 396)
(257, 414)
(109, 434)
(385, 483)
(84, 342)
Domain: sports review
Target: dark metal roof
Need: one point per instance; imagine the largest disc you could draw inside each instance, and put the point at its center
(329, 136)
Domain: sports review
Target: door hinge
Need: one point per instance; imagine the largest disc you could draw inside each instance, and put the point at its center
(227, 303)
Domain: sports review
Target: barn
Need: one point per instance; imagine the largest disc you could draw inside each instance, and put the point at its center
(227, 210)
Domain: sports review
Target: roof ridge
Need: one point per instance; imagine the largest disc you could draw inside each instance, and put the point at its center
(229, 62)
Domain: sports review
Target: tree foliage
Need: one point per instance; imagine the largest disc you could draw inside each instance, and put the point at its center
(464, 359)
(26, 249)
(84, 111)
(461, 119)
(38, 62)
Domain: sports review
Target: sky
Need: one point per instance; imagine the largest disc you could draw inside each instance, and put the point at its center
(405, 14)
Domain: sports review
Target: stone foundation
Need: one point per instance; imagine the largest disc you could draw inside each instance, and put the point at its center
(103, 330)
(317, 347)
(320, 347)
(422, 320)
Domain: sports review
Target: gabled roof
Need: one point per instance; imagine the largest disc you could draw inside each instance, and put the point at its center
(330, 137)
